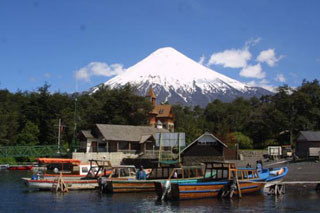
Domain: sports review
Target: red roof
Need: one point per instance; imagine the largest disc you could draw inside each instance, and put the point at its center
(58, 160)
(162, 111)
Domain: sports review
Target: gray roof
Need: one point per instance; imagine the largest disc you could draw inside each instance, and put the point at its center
(87, 133)
(206, 137)
(310, 135)
(144, 138)
(125, 132)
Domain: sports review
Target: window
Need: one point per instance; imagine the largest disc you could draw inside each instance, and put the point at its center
(84, 170)
(207, 143)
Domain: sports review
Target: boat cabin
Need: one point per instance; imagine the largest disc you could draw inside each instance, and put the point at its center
(227, 171)
(54, 166)
(177, 172)
(104, 168)
(68, 167)
(123, 171)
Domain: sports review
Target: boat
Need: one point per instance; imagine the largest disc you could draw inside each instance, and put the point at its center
(90, 181)
(20, 167)
(160, 174)
(68, 167)
(4, 166)
(225, 180)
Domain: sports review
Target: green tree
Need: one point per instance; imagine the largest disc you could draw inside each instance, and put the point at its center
(29, 134)
(244, 141)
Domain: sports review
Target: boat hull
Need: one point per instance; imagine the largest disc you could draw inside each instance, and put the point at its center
(184, 191)
(20, 167)
(49, 184)
(140, 185)
(130, 186)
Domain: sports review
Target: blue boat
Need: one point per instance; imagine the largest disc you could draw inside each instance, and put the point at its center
(225, 180)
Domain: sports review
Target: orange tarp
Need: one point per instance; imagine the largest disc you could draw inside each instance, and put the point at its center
(58, 160)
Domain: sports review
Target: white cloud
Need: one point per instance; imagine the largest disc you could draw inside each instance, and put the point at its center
(269, 57)
(202, 59)
(252, 42)
(263, 83)
(98, 69)
(234, 58)
(318, 60)
(253, 71)
(280, 78)
(47, 75)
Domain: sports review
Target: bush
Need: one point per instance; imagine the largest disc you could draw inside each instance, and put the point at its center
(8, 161)
(244, 141)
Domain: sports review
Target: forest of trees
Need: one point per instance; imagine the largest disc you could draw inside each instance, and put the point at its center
(31, 118)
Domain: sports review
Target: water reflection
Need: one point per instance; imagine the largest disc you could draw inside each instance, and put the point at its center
(15, 197)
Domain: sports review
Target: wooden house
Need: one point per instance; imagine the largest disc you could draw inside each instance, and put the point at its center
(119, 138)
(308, 144)
(161, 115)
(205, 148)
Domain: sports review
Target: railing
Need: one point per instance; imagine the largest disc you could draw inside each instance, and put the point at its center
(125, 151)
(30, 151)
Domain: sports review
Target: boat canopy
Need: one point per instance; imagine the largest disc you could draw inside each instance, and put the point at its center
(58, 160)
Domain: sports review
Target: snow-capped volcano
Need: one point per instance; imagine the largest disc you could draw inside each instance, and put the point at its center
(178, 79)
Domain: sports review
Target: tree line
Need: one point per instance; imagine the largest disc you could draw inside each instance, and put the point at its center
(256, 123)
(31, 118)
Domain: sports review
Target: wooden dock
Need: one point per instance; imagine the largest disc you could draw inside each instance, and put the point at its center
(278, 187)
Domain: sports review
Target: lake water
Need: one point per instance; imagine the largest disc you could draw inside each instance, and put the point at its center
(14, 197)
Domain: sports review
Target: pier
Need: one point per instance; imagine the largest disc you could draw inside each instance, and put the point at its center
(278, 188)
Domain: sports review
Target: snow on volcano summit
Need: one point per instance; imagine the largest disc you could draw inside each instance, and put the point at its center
(179, 79)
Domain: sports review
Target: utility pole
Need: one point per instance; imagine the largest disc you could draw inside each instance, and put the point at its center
(59, 135)
(74, 145)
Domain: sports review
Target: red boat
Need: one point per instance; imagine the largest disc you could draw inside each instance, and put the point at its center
(20, 167)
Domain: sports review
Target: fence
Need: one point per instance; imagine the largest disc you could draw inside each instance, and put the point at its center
(30, 151)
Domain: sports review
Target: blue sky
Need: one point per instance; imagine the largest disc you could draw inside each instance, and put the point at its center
(261, 42)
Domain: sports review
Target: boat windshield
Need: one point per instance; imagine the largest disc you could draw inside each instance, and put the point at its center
(227, 171)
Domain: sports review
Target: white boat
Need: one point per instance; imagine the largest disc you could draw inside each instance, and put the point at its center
(41, 182)
(49, 183)
(4, 166)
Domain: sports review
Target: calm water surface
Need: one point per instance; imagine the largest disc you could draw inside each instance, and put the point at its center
(14, 197)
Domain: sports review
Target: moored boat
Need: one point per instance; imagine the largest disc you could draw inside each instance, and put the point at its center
(226, 181)
(4, 166)
(20, 167)
(41, 182)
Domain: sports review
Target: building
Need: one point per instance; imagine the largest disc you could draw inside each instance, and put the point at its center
(161, 115)
(134, 145)
(119, 138)
(308, 144)
(205, 148)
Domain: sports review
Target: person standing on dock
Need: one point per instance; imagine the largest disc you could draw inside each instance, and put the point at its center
(141, 174)
(259, 166)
